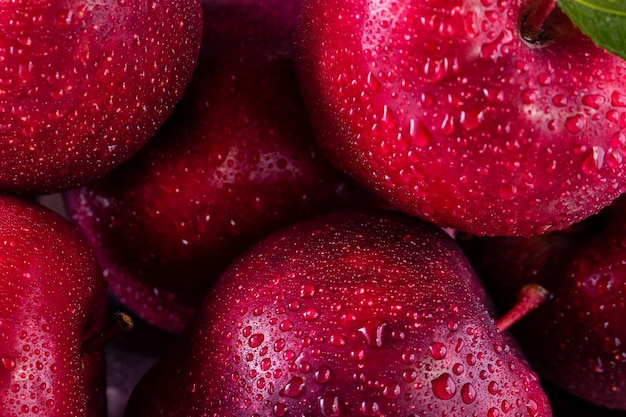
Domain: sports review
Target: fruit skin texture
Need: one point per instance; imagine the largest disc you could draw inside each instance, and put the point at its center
(581, 330)
(445, 111)
(85, 84)
(236, 161)
(53, 299)
(355, 313)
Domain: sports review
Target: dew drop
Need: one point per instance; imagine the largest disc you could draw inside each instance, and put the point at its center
(437, 350)
(529, 96)
(279, 409)
(493, 412)
(593, 100)
(256, 340)
(392, 391)
(574, 124)
(373, 331)
(329, 405)
(323, 374)
(310, 314)
(444, 387)
(8, 362)
(372, 82)
(285, 325)
(369, 408)
(294, 388)
(618, 99)
(419, 133)
(493, 388)
(471, 119)
(468, 393)
(458, 368)
(308, 291)
(593, 161)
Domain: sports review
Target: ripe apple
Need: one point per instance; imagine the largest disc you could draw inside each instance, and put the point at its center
(355, 313)
(52, 314)
(236, 161)
(84, 84)
(493, 117)
(581, 331)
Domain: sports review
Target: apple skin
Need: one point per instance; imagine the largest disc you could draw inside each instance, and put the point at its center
(236, 161)
(442, 108)
(84, 84)
(366, 313)
(581, 331)
(54, 299)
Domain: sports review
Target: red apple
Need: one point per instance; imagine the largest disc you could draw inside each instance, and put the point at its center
(355, 313)
(577, 341)
(236, 161)
(84, 84)
(52, 312)
(476, 115)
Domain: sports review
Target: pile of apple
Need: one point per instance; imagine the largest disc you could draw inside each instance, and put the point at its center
(319, 207)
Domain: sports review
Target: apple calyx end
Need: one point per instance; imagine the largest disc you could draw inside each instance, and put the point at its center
(121, 324)
(529, 298)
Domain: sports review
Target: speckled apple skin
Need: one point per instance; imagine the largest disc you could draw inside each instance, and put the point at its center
(84, 84)
(355, 313)
(581, 330)
(444, 110)
(236, 161)
(53, 298)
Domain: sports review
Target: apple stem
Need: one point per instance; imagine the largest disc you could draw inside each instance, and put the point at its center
(121, 324)
(528, 299)
(532, 25)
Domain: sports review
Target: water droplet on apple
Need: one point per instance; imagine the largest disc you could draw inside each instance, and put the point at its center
(593, 100)
(409, 375)
(471, 119)
(322, 375)
(285, 325)
(532, 407)
(279, 409)
(8, 362)
(493, 412)
(392, 391)
(437, 350)
(419, 134)
(337, 339)
(294, 388)
(575, 124)
(468, 393)
(256, 340)
(372, 82)
(373, 332)
(444, 387)
(593, 161)
(329, 405)
(308, 291)
(559, 100)
(529, 96)
(493, 388)
(618, 99)
(310, 314)
(369, 408)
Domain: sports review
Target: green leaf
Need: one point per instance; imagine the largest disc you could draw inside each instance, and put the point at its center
(604, 21)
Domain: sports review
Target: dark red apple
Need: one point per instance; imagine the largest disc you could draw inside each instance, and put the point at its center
(464, 113)
(52, 314)
(577, 341)
(356, 313)
(84, 84)
(236, 161)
